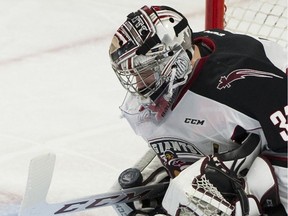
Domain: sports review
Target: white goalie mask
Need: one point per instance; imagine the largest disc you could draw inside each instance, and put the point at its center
(151, 52)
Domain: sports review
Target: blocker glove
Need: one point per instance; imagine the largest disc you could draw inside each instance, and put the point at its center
(148, 170)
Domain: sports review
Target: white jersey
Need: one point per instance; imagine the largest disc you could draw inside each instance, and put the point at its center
(191, 130)
(218, 105)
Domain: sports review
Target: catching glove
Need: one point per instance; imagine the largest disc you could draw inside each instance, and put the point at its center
(208, 187)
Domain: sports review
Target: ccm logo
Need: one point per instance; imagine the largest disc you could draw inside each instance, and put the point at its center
(194, 121)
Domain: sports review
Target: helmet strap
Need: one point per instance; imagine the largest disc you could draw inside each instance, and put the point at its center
(180, 26)
(148, 44)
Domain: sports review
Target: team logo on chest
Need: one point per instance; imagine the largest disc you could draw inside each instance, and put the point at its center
(175, 154)
(225, 81)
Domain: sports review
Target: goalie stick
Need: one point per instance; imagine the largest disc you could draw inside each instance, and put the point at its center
(39, 179)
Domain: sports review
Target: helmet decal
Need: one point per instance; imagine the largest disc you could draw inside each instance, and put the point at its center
(149, 52)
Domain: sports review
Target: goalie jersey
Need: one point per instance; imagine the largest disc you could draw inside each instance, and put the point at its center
(239, 86)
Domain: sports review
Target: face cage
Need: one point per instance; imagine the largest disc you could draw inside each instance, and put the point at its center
(148, 77)
(158, 68)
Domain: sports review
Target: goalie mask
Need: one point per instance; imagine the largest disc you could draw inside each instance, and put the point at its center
(151, 52)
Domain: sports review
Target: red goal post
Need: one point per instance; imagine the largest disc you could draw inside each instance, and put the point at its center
(261, 18)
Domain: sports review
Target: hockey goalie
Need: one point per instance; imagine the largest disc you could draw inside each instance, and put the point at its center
(212, 105)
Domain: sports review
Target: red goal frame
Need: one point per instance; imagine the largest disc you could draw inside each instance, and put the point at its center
(214, 15)
(262, 18)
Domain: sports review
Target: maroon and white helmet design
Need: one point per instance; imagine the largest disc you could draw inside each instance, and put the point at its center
(146, 48)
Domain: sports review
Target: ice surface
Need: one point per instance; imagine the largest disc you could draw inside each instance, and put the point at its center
(58, 94)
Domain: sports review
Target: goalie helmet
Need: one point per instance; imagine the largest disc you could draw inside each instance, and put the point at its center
(151, 52)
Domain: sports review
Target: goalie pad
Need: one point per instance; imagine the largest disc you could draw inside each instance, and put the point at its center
(208, 187)
(262, 183)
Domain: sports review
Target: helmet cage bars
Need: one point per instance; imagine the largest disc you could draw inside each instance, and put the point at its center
(142, 52)
(150, 74)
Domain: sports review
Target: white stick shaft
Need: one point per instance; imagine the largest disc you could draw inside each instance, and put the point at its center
(39, 179)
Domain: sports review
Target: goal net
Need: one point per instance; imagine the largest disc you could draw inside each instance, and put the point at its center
(261, 18)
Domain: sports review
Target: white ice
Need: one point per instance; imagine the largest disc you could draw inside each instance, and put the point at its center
(58, 94)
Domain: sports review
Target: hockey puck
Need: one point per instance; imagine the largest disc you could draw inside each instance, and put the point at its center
(131, 177)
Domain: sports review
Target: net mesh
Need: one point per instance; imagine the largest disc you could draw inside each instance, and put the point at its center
(207, 200)
(261, 18)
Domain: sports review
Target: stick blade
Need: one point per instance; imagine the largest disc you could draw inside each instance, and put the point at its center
(40, 175)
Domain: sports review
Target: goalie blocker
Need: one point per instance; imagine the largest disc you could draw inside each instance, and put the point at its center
(147, 171)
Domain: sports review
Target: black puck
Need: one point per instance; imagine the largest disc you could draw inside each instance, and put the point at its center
(131, 177)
